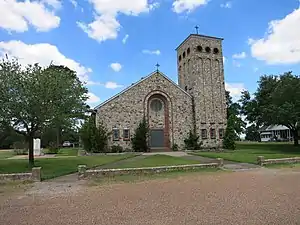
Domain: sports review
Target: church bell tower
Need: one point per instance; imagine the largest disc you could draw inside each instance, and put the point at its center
(201, 74)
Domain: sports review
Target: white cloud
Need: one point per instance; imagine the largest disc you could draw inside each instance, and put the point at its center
(180, 6)
(18, 16)
(227, 5)
(241, 55)
(102, 28)
(116, 67)
(125, 39)
(92, 98)
(281, 44)
(153, 52)
(255, 69)
(105, 25)
(56, 4)
(74, 3)
(235, 90)
(42, 53)
(112, 85)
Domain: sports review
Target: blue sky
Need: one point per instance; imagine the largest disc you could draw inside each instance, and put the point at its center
(113, 43)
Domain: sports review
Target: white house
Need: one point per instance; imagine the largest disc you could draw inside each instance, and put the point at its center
(275, 132)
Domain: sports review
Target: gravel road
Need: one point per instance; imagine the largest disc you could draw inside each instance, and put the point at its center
(252, 197)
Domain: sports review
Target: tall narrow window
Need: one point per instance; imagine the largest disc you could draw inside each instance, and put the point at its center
(204, 134)
(213, 133)
(116, 134)
(221, 133)
(126, 134)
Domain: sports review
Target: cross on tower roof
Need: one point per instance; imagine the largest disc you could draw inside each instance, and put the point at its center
(196, 27)
(157, 67)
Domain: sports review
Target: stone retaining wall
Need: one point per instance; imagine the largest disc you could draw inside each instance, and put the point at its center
(35, 175)
(84, 173)
(262, 161)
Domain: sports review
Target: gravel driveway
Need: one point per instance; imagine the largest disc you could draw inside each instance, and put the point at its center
(252, 197)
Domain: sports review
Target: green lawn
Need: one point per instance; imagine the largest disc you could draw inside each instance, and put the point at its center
(157, 160)
(54, 167)
(68, 152)
(248, 152)
(4, 154)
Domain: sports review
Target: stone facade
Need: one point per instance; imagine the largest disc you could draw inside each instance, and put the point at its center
(198, 102)
(201, 74)
(126, 110)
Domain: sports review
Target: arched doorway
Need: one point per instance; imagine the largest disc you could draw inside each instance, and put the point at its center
(158, 120)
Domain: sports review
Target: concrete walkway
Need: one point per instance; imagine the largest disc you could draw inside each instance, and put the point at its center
(228, 165)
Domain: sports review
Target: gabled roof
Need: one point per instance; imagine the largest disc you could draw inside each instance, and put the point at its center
(198, 35)
(141, 80)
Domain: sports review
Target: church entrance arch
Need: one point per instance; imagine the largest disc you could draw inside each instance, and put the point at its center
(159, 122)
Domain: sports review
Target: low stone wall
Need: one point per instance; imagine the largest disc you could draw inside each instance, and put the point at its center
(84, 173)
(35, 175)
(262, 161)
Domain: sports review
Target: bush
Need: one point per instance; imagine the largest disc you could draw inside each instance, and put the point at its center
(128, 150)
(116, 149)
(20, 148)
(140, 138)
(21, 151)
(175, 147)
(229, 137)
(192, 142)
(52, 148)
(95, 139)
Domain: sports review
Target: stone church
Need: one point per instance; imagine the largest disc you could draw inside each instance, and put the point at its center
(196, 103)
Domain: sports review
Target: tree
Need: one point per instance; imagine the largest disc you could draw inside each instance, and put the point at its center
(252, 133)
(141, 136)
(192, 142)
(34, 97)
(230, 135)
(276, 101)
(234, 110)
(94, 137)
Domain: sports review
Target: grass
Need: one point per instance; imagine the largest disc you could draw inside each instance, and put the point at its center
(145, 177)
(248, 152)
(156, 160)
(4, 154)
(68, 152)
(55, 167)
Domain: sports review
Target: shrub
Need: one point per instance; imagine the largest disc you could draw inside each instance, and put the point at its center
(175, 147)
(140, 138)
(95, 139)
(192, 142)
(116, 149)
(20, 148)
(229, 137)
(128, 150)
(21, 151)
(52, 151)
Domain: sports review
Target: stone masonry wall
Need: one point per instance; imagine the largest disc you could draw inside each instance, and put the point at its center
(128, 108)
(201, 72)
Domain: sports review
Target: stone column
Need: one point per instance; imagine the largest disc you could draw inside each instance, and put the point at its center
(260, 160)
(220, 162)
(81, 172)
(36, 174)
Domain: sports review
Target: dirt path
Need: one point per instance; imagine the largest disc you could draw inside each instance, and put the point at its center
(251, 197)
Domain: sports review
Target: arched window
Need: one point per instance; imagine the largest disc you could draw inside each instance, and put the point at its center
(199, 48)
(207, 49)
(216, 51)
